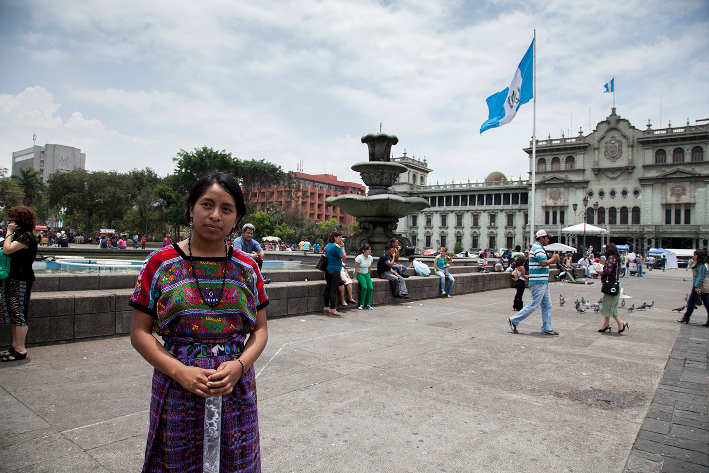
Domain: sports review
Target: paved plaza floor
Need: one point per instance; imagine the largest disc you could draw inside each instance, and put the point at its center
(431, 386)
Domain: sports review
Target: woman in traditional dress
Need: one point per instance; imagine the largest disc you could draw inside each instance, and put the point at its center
(609, 305)
(21, 246)
(204, 299)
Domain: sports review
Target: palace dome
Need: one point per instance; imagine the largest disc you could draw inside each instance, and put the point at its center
(495, 176)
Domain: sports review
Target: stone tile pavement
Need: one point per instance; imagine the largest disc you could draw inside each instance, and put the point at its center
(437, 385)
(675, 434)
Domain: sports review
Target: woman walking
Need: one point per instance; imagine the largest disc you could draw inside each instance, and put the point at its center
(363, 262)
(204, 299)
(609, 306)
(335, 251)
(699, 274)
(21, 246)
(520, 283)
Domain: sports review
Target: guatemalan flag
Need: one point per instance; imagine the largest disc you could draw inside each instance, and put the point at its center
(503, 105)
(609, 86)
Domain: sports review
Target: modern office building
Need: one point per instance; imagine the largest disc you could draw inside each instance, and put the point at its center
(48, 159)
(316, 188)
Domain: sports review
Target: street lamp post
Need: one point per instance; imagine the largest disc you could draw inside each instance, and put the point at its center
(585, 218)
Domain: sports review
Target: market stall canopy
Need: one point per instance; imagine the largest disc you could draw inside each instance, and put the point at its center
(579, 229)
(670, 255)
(560, 247)
(429, 252)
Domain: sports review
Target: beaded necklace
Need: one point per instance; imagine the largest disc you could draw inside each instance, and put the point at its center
(210, 299)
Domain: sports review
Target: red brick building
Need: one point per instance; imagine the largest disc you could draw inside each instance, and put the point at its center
(317, 188)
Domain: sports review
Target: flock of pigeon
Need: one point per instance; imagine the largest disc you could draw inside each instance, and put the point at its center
(582, 305)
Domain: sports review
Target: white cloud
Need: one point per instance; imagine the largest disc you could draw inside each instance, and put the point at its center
(301, 80)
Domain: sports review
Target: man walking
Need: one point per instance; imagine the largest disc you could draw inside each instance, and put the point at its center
(385, 271)
(639, 265)
(538, 285)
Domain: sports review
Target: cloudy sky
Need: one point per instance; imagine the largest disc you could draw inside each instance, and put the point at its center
(133, 82)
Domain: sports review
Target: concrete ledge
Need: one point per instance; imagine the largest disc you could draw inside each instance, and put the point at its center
(57, 316)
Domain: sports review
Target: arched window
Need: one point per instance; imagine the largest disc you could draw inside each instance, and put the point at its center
(624, 215)
(423, 181)
(570, 162)
(636, 215)
(697, 154)
(611, 216)
(555, 164)
(660, 156)
(589, 215)
(414, 179)
(601, 216)
(678, 155)
(541, 165)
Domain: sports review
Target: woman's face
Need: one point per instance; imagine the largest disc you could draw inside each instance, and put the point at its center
(367, 252)
(214, 213)
(338, 239)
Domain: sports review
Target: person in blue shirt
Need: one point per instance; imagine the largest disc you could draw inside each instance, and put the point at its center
(316, 247)
(248, 245)
(335, 252)
(442, 272)
(699, 273)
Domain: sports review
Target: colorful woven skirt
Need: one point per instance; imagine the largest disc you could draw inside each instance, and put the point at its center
(176, 433)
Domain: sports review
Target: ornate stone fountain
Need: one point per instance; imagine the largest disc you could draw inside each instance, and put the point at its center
(378, 212)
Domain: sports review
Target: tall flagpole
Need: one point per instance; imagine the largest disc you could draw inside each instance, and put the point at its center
(534, 136)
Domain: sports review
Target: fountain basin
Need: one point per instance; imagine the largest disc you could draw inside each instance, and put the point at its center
(381, 205)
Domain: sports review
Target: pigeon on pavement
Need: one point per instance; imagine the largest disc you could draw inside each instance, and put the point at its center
(678, 309)
(580, 309)
(631, 308)
(643, 306)
(622, 302)
(561, 300)
(651, 304)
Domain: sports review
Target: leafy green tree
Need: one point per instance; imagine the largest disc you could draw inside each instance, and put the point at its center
(263, 223)
(458, 248)
(141, 193)
(171, 202)
(191, 166)
(10, 193)
(327, 227)
(29, 182)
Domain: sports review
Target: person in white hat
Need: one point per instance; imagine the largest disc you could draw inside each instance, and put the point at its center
(538, 285)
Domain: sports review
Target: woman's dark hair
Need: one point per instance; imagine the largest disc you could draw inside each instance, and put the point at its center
(333, 235)
(611, 250)
(226, 182)
(24, 217)
(363, 248)
(702, 258)
(520, 261)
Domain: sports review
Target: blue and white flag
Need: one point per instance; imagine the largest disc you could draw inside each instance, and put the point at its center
(609, 86)
(503, 105)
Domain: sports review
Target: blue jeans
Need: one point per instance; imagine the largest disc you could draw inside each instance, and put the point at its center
(443, 277)
(540, 297)
(691, 302)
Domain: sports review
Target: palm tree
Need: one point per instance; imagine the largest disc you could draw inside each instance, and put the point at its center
(29, 182)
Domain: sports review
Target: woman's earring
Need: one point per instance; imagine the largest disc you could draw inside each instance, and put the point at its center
(191, 227)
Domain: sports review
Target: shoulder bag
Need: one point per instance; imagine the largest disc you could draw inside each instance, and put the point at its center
(322, 263)
(705, 283)
(612, 288)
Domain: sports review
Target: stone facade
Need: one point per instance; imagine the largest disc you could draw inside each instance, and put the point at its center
(650, 185)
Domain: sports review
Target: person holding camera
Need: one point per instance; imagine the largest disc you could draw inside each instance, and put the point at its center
(441, 263)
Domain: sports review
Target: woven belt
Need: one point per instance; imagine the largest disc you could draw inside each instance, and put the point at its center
(199, 350)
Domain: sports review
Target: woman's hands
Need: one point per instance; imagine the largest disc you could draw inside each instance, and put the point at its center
(225, 378)
(195, 380)
(11, 227)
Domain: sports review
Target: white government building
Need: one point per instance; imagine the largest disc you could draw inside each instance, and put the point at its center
(48, 159)
(647, 188)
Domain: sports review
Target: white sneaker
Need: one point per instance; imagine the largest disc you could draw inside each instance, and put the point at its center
(360, 307)
(368, 307)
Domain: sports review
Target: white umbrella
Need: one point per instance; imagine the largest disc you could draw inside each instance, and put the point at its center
(271, 238)
(560, 247)
(578, 229)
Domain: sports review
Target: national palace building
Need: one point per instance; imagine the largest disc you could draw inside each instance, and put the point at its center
(648, 188)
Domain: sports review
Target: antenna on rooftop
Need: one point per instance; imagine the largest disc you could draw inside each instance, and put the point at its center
(380, 127)
(34, 139)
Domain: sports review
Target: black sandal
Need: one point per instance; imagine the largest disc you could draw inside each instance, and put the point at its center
(16, 356)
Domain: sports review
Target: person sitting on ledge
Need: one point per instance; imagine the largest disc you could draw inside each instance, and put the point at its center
(384, 268)
(482, 263)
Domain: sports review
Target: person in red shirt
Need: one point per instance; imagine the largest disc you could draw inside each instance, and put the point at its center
(167, 241)
(143, 241)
